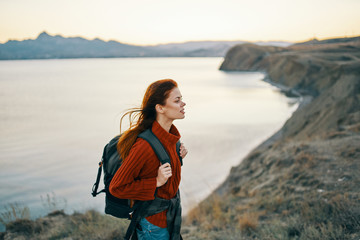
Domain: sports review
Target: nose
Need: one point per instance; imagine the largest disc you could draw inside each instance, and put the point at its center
(183, 104)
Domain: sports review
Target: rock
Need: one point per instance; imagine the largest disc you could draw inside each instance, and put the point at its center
(306, 174)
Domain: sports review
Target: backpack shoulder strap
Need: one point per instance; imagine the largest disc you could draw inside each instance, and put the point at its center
(178, 144)
(156, 145)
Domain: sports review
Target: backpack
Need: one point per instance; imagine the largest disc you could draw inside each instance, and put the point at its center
(110, 163)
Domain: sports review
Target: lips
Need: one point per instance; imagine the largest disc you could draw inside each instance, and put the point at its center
(183, 111)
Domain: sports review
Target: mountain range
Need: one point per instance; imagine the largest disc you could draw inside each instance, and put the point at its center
(46, 46)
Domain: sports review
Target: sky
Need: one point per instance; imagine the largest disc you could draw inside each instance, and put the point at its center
(150, 22)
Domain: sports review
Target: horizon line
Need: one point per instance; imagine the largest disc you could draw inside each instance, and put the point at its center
(156, 44)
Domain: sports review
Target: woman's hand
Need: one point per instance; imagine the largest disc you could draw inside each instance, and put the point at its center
(183, 150)
(164, 173)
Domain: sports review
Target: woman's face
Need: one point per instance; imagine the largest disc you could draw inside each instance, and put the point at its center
(174, 106)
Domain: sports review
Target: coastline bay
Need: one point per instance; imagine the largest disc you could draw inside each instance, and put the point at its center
(56, 116)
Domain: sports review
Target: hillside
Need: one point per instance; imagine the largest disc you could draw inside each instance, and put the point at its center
(302, 183)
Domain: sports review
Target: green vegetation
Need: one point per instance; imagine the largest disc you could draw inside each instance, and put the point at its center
(292, 190)
(58, 225)
(337, 218)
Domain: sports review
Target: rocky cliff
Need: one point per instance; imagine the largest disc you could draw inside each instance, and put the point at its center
(329, 73)
(302, 183)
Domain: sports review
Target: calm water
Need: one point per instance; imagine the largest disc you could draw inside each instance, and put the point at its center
(56, 116)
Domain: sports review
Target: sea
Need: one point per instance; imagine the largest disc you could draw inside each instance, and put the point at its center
(57, 115)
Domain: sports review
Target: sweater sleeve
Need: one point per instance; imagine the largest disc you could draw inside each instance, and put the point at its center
(126, 183)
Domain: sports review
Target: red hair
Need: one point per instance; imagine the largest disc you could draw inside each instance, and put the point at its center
(142, 118)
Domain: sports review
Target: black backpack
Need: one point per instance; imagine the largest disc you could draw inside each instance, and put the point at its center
(111, 161)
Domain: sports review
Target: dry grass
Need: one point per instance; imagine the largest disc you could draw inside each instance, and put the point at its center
(58, 225)
(209, 215)
(248, 222)
(13, 212)
(305, 160)
(304, 191)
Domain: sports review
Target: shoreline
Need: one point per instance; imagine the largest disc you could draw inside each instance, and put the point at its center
(260, 142)
(80, 193)
(296, 179)
(304, 99)
(286, 185)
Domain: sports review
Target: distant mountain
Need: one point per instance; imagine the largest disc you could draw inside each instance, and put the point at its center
(197, 48)
(329, 41)
(46, 46)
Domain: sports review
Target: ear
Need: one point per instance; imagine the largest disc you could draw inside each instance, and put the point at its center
(159, 108)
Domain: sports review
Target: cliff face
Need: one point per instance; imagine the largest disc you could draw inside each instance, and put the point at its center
(303, 183)
(329, 73)
(303, 67)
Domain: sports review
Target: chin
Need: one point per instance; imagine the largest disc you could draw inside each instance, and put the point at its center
(180, 117)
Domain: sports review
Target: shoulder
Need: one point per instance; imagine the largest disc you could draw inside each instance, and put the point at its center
(142, 155)
(142, 144)
(141, 148)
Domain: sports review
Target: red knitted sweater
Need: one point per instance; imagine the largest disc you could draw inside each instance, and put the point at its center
(136, 178)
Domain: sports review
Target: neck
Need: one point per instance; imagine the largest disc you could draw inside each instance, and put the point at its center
(165, 123)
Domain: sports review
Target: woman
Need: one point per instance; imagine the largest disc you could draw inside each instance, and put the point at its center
(141, 176)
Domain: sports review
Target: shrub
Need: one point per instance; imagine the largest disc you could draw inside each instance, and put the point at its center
(13, 212)
(248, 222)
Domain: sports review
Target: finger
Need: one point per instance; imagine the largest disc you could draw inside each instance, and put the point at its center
(166, 170)
(165, 165)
